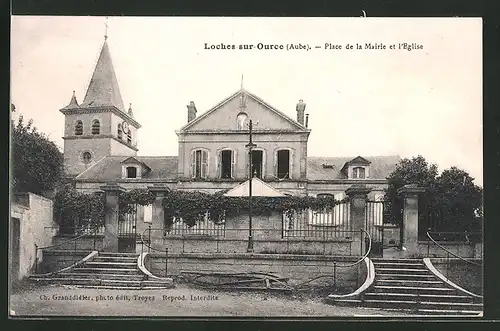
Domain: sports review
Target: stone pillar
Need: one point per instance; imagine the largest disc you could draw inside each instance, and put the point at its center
(110, 242)
(158, 211)
(357, 194)
(409, 228)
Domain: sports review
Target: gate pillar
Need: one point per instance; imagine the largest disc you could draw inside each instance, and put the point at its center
(110, 242)
(409, 229)
(357, 194)
(158, 211)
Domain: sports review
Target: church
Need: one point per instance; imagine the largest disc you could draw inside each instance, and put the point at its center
(101, 146)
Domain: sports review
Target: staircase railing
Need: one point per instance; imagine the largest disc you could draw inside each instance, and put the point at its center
(150, 248)
(447, 250)
(74, 241)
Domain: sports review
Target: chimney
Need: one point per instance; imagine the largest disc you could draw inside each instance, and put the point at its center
(191, 111)
(307, 120)
(301, 107)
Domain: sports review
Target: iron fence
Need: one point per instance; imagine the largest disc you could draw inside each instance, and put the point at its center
(205, 227)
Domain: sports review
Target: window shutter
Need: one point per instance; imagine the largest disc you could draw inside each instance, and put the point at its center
(291, 160)
(233, 163)
(276, 164)
(218, 164)
(193, 164)
(204, 164)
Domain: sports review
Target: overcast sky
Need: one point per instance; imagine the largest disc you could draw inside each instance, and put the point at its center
(361, 102)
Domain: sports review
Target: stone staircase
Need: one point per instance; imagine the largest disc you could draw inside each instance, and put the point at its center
(406, 285)
(107, 271)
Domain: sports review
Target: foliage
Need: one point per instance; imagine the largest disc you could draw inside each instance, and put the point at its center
(73, 209)
(452, 202)
(192, 207)
(36, 161)
(130, 198)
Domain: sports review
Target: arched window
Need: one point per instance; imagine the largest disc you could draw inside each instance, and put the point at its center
(199, 163)
(78, 128)
(241, 120)
(96, 127)
(131, 172)
(120, 132)
(358, 173)
(129, 136)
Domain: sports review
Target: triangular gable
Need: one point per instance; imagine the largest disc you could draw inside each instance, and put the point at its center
(294, 125)
(259, 189)
(133, 160)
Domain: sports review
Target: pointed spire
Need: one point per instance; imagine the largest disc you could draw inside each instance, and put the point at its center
(130, 113)
(103, 90)
(73, 103)
(106, 31)
(243, 98)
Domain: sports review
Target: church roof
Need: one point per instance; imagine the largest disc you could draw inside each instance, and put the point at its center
(259, 189)
(103, 90)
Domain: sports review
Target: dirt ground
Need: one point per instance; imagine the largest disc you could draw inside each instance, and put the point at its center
(182, 301)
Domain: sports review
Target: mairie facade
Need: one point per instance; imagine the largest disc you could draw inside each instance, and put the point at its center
(101, 139)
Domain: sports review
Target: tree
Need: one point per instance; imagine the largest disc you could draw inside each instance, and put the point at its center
(451, 203)
(36, 161)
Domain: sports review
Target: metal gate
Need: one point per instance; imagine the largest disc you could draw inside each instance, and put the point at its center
(127, 231)
(374, 225)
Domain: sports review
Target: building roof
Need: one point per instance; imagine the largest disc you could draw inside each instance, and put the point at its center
(103, 90)
(327, 168)
(165, 167)
(109, 168)
(259, 189)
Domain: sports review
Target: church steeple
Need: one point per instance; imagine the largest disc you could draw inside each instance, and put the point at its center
(103, 90)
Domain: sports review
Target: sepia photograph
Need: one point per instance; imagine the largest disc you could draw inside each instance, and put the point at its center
(246, 167)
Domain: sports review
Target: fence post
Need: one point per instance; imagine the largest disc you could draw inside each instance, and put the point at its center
(36, 258)
(95, 235)
(334, 274)
(166, 261)
(361, 242)
(149, 238)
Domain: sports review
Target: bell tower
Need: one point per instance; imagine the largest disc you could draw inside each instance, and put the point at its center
(99, 126)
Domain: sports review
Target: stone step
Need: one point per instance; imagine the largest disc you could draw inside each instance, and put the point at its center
(420, 297)
(394, 260)
(406, 265)
(396, 276)
(118, 254)
(408, 282)
(102, 276)
(107, 264)
(411, 289)
(419, 271)
(107, 270)
(411, 304)
(115, 258)
(434, 312)
(144, 283)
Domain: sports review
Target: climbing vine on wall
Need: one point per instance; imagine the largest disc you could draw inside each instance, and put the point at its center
(130, 198)
(73, 209)
(192, 207)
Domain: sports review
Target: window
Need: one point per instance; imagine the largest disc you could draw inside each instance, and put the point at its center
(199, 164)
(96, 127)
(241, 120)
(129, 137)
(226, 164)
(283, 164)
(87, 157)
(120, 132)
(78, 128)
(358, 173)
(257, 160)
(131, 172)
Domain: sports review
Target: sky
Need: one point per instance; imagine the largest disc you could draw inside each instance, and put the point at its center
(366, 102)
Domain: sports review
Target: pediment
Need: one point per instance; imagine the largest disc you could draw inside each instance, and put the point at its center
(224, 115)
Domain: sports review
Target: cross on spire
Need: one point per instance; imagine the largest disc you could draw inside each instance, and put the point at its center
(106, 29)
(242, 81)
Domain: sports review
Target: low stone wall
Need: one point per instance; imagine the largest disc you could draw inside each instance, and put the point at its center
(207, 244)
(55, 260)
(465, 250)
(465, 275)
(84, 243)
(298, 268)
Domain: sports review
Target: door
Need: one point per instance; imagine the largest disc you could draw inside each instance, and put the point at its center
(127, 231)
(15, 237)
(374, 215)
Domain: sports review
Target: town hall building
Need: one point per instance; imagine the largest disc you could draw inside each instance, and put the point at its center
(101, 139)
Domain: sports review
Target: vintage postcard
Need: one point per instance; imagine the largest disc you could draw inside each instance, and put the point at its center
(266, 167)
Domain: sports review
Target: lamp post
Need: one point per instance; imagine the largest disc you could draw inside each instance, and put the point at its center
(250, 146)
